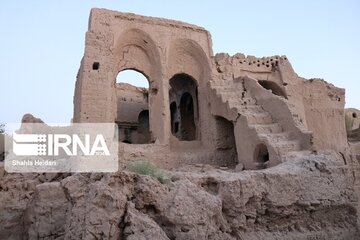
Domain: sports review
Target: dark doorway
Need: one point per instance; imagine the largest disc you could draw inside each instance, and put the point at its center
(188, 128)
(261, 156)
(174, 122)
(225, 141)
(183, 107)
(143, 127)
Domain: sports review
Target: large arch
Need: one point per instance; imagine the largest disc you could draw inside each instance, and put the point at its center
(136, 50)
(183, 95)
(187, 58)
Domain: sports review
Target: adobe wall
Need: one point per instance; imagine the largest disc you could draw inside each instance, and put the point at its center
(313, 105)
(157, 48)
(324, 109)
(276, 69)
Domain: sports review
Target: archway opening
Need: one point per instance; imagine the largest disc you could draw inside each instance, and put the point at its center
(225, 141)
(183, 107)
(275, 88)
(132, 77)
(261, 156)
(354, 115)
(132, 107)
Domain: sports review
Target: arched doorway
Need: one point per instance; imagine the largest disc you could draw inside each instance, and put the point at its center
(225, 141)
(132, 107)
(184, 107)
(261, 156)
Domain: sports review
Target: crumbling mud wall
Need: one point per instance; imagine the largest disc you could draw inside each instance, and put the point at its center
(274, 109)
(270, 109)
(158, 48)
(325, 117)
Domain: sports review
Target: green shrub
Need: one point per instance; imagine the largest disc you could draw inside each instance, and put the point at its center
(349, 122)
(144, 167)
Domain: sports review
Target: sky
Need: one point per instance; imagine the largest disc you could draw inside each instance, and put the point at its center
(42, 43)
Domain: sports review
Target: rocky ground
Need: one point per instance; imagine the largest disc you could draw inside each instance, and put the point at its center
(308, 197)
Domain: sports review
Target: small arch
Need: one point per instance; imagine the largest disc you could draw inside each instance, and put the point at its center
(261, 156)
(354, 115)
(274, 87)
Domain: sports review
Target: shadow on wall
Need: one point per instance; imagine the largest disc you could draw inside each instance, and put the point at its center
(261, 156)
(274, 87)
(225, 140)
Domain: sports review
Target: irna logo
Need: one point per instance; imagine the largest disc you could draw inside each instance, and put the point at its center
(54, 144)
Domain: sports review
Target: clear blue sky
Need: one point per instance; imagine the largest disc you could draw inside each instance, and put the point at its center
(42, 43)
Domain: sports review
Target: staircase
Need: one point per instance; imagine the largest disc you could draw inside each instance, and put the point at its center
(236, 104)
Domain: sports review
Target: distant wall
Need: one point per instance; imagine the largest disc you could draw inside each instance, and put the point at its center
(354, 115)
(324, 110)
(130, 102)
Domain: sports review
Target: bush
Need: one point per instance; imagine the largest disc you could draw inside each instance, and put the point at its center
(349, 122)
(144, 167)
(2, 128)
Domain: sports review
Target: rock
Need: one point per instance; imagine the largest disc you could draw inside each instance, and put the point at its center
(239, 167)
(306, 196)
(46, 214)
(138, 226)
(29, 118)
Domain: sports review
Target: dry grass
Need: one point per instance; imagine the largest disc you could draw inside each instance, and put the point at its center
(144, 167)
